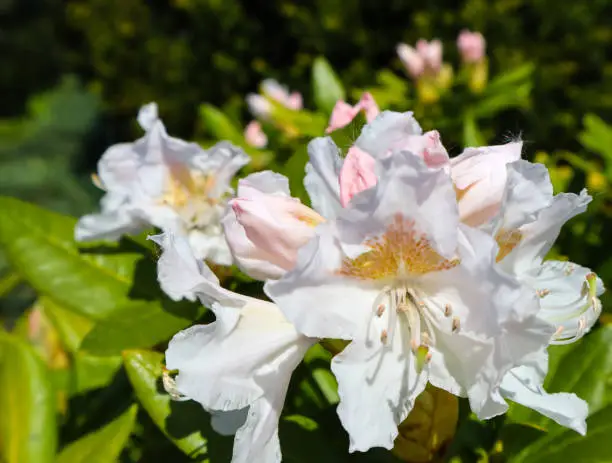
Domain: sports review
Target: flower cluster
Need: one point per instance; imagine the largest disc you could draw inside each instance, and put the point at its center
(432, 269)
(168, 183)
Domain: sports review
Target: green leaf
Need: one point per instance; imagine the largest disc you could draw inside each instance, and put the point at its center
(104, 445)
(71, 326)
(219, 125)
(184, 423)
(91, 372)
(584, 368)
(570, 446)
(93, 280)
(326, 85)
(471, 132)
(139, 325)
(597, 136)
(28, 431)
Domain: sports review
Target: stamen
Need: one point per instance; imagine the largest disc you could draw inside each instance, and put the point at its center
(170, 386)
(448, 310)
(558, 331)
(542, 292)
(380, 310)
(425, 339)
(383, 336)
(456, 324)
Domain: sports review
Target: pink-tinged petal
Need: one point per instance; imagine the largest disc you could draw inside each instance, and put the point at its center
(254, 135)
(369, 106)
(431, 53)
(357, 174)
(434, 152)
(294, 101)
(479, 175)
(265, 226)
(321, 180)
(412, 61)
(341, 116)
(471, 46)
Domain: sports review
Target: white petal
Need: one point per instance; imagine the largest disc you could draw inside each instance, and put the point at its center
(524, 385)
(388, 132)
(118, 168)
(107, 226)
(267, 182)
(378, 385)
(540, 235)
(314, 298)
(147, 115)
(218, 368)
(528, 191)
(565, 299)
(222, 161)
(210, 244)
(321, 180)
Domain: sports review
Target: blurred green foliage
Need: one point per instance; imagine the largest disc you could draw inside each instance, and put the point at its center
(77, 354)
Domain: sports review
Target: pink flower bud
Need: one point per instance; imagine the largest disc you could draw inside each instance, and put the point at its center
(431, 52)
(254, 135)
(294, 101)
(471, 46)
(357, 174)
(412, 61)
(265, 227)
(343, 113)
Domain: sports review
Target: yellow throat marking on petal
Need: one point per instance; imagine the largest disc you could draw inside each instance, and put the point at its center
(507, 240)
(399, 251)
(185, 186)
(309, 217)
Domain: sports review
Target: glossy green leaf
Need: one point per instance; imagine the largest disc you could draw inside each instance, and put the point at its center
(570, 446)
(184, 423)
(584, 368)
(471, 132)
(219, 125)
(93, 280)
(28, 430)
(71, 326)
(90, 372)
(103, 445)
(326, 85)
(139, 325)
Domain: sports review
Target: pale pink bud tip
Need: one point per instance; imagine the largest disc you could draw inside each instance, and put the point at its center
(343, 113)
(471, 46)
(357, 174)
(254, 135)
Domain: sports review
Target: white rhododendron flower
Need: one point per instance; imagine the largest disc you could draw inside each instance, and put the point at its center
(168, 183)
(418, 295)
(243, 359)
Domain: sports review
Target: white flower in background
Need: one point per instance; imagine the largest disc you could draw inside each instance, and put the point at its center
(417, 294)
(168, 183)
(243, 359)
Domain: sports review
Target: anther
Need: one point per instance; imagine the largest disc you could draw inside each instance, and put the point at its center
(542, 292)
(383, 336)
(380, 310)
(456, 324)
(448, 310)
(414, 345)
(558, 332)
